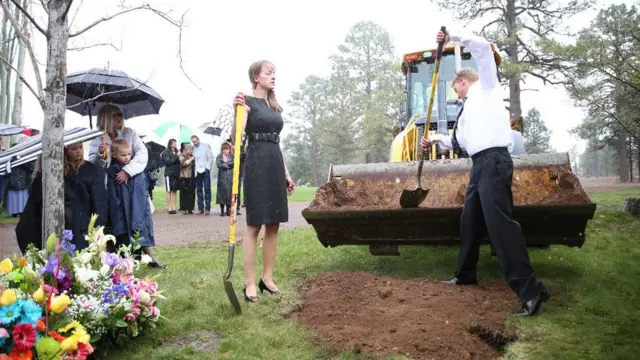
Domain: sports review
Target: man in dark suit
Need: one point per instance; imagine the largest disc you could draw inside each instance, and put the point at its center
(483, 130)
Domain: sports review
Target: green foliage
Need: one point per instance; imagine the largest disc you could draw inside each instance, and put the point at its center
(536, 134)
(348, 116)
(602, 71)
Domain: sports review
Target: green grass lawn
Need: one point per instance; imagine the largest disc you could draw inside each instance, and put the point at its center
(593, 313)
(160, 197)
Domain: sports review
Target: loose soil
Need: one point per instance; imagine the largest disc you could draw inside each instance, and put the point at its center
(421, 319)
(549, 185)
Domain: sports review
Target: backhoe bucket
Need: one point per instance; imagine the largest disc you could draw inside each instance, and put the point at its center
(359, 205)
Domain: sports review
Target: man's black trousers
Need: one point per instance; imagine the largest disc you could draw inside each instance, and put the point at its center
(488, 208)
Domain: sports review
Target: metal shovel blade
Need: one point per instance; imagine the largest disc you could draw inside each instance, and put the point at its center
(228, 285)
(413, 198)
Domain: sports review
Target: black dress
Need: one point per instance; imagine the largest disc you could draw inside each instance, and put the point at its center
(225, 180)
(265, 183)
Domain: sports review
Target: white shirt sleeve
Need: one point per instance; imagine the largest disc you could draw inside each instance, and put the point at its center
(482, 52)
(444, 141)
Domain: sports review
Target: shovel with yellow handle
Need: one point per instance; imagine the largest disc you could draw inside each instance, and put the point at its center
(228, 286)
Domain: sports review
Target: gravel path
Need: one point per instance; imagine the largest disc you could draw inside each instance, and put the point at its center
(176, 230)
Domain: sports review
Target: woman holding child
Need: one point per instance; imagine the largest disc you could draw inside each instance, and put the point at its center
(128, 162)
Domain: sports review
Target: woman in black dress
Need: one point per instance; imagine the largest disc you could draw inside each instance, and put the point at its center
(266, 179)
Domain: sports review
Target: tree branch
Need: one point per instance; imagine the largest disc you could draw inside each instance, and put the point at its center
(27, 44)
(33, 21)
(24, 81)
(66, 11)
(107, 18)
(80, 48)
(179, 24)
(73, 18)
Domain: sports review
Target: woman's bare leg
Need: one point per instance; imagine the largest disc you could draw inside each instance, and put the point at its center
(269, 247)
(249, 240)
(169, 208)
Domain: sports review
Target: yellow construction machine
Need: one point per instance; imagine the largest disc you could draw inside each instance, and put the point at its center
(359, 204)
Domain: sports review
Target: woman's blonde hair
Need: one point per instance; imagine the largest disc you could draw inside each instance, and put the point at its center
(105, 114)
(254, 70)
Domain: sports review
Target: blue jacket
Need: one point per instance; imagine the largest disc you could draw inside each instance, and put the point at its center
(129, 209)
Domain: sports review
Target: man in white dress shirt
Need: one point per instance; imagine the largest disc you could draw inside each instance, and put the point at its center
(483, 130)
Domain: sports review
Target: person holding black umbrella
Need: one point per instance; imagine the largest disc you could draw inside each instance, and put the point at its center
(111, 117)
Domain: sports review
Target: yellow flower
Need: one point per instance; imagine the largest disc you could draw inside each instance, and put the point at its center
(38, 296)
(6, 266)
(79, 336)
(8, 297)
(60, 303)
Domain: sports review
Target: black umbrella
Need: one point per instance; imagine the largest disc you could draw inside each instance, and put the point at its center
(215, 131)
(155, 147)
(104, 86)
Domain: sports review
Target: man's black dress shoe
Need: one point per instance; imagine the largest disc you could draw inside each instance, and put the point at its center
(533, 306)
(456, 281)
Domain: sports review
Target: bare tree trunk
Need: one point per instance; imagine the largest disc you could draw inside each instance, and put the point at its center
(515, 107)
(16, 117)
(4, 69)
(54, 111)
(622, 159)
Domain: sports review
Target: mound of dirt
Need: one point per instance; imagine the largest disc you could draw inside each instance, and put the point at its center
(553, 185)
(421, 319)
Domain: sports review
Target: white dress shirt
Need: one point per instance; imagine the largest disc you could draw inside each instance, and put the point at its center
(484, 122)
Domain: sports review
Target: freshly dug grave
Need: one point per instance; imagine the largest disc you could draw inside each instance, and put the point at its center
(421, 319)
(553, 185)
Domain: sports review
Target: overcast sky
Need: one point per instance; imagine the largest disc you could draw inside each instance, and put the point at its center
(224, 37)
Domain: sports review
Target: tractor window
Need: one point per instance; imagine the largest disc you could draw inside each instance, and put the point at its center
(421, 86)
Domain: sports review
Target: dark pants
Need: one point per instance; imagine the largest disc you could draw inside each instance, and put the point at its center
(488, 208)
(203, 182)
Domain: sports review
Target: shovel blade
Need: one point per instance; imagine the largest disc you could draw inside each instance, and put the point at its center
(228, 286)
(413, 198)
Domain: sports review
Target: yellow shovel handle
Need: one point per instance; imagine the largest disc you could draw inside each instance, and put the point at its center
(236, 173)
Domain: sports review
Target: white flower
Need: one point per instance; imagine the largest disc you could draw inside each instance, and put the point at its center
(145, 259)
(145, 298)
(104, 270)
(84, 274)
(85, 257)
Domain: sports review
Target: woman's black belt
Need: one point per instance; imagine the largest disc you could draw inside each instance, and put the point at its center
(270, 137)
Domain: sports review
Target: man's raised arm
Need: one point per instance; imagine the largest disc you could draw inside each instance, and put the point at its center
(482, 52)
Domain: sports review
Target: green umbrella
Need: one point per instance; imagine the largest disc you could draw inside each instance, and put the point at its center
(174, 130)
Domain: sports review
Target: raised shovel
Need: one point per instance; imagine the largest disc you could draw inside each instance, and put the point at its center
(413, 198)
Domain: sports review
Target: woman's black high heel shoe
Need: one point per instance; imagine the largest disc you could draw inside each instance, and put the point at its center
(262, 286)
(249, 298)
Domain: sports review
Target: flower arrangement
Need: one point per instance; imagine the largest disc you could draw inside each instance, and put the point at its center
(59, 303)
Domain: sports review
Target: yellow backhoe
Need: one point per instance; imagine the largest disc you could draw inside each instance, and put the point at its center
(359, 204)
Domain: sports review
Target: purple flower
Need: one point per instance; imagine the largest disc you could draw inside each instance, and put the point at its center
(115, 293)
(64, 284)
(111, 259)
(68, 235)
(51, 266)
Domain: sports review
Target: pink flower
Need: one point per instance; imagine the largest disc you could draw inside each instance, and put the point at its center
(133, 316)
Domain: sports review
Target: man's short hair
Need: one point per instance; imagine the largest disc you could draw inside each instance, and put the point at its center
(119, 145)
(194, 137)
(468, 74)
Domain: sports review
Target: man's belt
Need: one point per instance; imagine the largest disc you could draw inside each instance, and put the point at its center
(270, 137)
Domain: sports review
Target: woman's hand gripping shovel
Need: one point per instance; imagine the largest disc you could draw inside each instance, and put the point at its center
(413, 198)
(228, 286)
